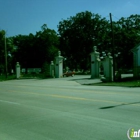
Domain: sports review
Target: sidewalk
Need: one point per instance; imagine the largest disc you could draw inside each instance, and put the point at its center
(84, 79)
(88, 81)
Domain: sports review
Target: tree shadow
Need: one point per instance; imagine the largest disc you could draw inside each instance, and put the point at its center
(109, 107)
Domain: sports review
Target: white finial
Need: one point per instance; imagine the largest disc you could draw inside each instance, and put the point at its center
(59, 53)
(95, 48)
(109, 54)
(52, 63)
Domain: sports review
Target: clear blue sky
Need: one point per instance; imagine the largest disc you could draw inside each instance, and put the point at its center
(27, 16)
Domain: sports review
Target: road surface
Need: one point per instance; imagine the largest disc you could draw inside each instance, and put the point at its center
(62, 109)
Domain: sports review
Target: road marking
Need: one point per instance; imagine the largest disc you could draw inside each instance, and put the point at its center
(9, 102)
(86, 99)
(78, 98)
(67, 97)
(79, 90)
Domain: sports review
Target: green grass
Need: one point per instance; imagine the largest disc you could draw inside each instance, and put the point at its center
(9, 77)
(24, 76)
(124, 82)
(34, 76)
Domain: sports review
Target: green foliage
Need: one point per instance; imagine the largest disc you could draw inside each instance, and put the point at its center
(46, 70)
(35, 50)
(2, 34)
(10, 77)
(126, 37)
(78, 34)
(5, 43)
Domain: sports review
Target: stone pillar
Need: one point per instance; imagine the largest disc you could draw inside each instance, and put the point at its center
(59, 66)
(17, 70)
(95, 63)
(108, 68)
(52, 69)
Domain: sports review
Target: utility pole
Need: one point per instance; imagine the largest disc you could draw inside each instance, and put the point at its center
(113, 53)
(5, 49)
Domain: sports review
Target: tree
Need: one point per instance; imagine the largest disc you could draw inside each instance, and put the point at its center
(35, 50)
(5, 45)
(2, 33)
(47, 43)
(127, 37)
(79, 34)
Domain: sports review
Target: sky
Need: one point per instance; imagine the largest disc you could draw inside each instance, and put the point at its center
(27, 16)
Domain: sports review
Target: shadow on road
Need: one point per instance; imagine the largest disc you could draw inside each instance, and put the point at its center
(108, 107)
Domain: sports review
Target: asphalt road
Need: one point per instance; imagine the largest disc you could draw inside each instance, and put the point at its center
(62, 109)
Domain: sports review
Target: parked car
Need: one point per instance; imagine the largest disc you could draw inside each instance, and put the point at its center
(68, 73)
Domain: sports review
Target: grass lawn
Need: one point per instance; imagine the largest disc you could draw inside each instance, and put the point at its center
(9, 77)
(25, 76)
(124, 82)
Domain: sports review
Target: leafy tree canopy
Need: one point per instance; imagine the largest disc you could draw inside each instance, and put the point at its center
(75, 39)
(78, 35)
(35, 50)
